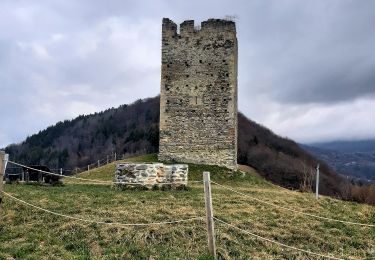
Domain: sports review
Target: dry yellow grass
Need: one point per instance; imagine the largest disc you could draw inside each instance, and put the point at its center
(29, 233)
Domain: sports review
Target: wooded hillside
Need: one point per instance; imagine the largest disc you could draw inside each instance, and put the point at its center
(134, 129)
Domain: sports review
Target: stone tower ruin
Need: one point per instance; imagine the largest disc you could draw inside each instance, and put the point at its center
(198, 99)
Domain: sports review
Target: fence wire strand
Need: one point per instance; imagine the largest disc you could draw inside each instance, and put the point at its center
(54, 174)
(275, 242)
(92, 180)
(101, 222)
(293, 210)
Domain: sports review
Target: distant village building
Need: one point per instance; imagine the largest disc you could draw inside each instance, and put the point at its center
(198, 100)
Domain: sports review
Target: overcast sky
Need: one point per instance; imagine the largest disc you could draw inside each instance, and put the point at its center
(306, 68)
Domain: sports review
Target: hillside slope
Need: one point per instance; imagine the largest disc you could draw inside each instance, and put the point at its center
(134, 129)
(30, 233)
(128, 129)
(282, 160)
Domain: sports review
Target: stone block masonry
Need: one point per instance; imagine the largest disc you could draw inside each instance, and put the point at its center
(151, 174)
(198, 98)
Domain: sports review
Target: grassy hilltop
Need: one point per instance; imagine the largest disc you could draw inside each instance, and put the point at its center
(27, 233)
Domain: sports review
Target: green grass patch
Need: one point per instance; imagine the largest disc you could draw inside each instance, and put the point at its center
(28, 233)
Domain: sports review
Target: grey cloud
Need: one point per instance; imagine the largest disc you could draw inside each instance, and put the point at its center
(319, 53)
(88, 55)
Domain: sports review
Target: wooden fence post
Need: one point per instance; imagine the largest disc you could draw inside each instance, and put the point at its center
(98, 163)
(209, 214)
(88, 167)
(3, 162)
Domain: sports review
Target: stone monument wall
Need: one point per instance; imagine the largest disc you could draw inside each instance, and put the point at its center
(151, 174)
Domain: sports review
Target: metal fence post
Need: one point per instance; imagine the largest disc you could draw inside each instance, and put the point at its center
(317, 182)
(27, 176)
(209, 214)
(115, 157)
(61, 171)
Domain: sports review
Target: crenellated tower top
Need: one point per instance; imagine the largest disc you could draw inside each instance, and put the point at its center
(170, 28)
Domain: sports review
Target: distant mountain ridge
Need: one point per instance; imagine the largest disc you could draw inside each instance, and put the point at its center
(134, 129)
(362, 146)
(352, 158)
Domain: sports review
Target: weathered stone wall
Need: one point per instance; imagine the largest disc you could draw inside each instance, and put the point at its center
(151, 174)
(198, 100)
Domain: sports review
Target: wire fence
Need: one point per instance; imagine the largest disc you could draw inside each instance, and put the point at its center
(211, 218)
(101, 222)
(76, 170)
(88, 180)
(62, 176)
(293, 210)
(275, 242)
(97, 163)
